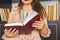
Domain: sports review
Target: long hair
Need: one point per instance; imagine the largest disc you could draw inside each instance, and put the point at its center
(36, 6)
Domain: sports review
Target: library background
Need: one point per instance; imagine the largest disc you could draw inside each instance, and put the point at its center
(52, 8)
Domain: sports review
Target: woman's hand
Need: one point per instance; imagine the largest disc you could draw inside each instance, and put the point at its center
(38, 24)
(10, 34)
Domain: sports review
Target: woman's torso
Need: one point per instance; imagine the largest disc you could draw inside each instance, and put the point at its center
(26, 29)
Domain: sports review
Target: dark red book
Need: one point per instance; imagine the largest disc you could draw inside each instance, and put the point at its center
(26, 26)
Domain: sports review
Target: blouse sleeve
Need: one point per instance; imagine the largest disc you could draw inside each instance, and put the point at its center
(46, 27)
(11, 17)
(48, 35)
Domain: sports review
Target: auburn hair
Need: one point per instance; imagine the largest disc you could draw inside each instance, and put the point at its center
(36, 6)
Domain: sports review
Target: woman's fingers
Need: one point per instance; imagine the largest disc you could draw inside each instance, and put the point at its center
(13, 31)
(9, 30)
(38, 24)
(5, 30)
(15, 34)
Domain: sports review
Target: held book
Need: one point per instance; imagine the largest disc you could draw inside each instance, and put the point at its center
(26, 25)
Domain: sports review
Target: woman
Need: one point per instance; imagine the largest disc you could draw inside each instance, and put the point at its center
(39, 23)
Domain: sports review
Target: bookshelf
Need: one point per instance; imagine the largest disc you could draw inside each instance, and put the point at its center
(45, 3)
(5, 3)
(51, 8)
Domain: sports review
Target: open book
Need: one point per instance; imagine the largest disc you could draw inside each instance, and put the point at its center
(25, 21)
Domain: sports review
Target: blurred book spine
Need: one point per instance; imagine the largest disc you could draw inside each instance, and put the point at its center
(4, 14)
(52, 11)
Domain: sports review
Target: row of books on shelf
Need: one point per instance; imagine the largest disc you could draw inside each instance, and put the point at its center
(4, 14)
(52, 11)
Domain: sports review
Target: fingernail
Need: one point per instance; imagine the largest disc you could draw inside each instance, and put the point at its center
(32, 25)
(17, 30)
(10, 28)
(14, 29)
(35, 21)
(5, 30)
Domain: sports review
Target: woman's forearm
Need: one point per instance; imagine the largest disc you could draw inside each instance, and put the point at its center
(45, 32)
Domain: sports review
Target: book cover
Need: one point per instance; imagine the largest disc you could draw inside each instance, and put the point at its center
(26, 24)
